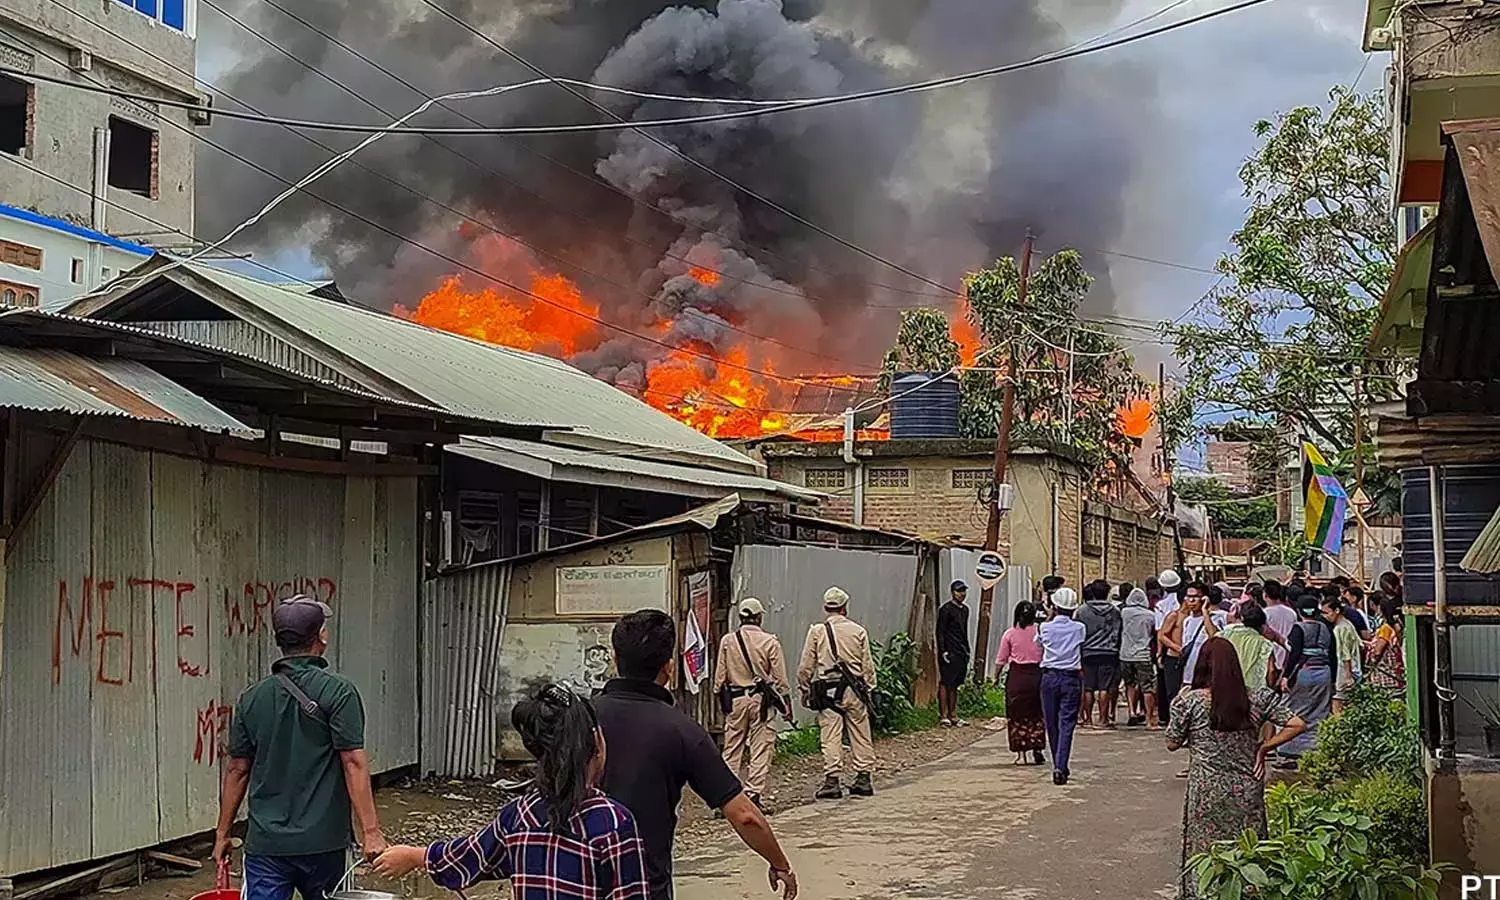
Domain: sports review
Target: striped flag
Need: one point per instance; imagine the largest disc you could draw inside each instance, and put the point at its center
(1324, 501)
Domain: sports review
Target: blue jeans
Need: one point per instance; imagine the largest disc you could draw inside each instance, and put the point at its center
(313, 876)
(1061, 692)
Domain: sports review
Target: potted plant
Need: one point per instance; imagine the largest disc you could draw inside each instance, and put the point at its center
(1488, 708)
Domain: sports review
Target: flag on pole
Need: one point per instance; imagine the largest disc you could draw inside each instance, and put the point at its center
(1325, 503)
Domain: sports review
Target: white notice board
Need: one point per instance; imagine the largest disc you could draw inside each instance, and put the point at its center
(611, 590)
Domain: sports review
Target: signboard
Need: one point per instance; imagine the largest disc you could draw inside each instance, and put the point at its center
(611, 590)
(989, 568)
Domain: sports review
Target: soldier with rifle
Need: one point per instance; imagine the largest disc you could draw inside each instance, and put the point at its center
(835, 678)
(751, 684)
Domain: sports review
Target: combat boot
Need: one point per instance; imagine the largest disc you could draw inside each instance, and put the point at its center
(862, 786)
(831, 789)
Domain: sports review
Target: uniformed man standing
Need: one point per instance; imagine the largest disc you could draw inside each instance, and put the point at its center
(835, 678)
(750, 679)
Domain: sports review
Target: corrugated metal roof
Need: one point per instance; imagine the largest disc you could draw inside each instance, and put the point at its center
(475, 378)
(502, 452)
(59, 381)
(1484, 555)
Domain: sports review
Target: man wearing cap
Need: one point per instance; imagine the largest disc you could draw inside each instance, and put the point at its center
(750, 679)
(838, 676)
(1061, 640)
(953, 651)
(1171, 585)
(296, 746)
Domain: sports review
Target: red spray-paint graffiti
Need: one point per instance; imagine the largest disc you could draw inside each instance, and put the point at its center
(211, 734)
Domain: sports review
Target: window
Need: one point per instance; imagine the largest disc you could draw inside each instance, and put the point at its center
(106, 273)
(132, 157)
(889, 478)
(77, 273)
(1093, 536)
(14, 294)
(15, 116)
(172, 13)
(20, 255)
(970, 479)
(823, 478)
(478, 534)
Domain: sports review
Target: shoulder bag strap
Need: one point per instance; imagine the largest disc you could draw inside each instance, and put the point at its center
(745, 652)
(308, 705)
(833, 645)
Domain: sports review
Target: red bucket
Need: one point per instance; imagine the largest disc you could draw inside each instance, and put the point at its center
(222, 890)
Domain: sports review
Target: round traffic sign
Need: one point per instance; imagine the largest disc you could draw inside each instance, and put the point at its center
(989, 568)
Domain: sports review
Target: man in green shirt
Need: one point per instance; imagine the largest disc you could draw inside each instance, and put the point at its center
(296, 746)
(1250, 645)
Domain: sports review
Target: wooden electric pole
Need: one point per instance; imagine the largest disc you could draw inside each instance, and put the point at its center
(1166, 470)
(1359, 478)
(1002, 458)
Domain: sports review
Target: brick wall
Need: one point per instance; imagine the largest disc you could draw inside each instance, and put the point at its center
(1229, 461)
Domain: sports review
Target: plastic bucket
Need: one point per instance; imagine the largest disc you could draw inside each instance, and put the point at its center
(222, 890)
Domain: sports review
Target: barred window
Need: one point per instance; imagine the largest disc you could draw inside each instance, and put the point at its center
(823, 478)
(889, 478)
(1093, 535)
(968, 479)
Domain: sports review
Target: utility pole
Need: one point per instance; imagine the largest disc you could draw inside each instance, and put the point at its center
(1359, 477)
(1002, 458)
(1166, 469)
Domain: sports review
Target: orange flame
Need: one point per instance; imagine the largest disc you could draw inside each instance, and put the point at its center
(966, 334)
(720, 399)
(1135, 418)
(704, 276)
(513, 319)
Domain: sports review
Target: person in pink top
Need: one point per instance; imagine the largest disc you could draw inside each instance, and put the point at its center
(1019, 663)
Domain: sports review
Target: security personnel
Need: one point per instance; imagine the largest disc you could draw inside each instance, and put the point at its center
(750, 680)
(835, 678)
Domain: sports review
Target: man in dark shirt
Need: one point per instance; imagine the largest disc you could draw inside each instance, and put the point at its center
(953, 652)
(653, 749)
(302, 761)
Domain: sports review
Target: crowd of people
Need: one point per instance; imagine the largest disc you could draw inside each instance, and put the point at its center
(1241, 678)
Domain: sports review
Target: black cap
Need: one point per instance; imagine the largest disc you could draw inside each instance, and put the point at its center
(297, 620)
(959, 586)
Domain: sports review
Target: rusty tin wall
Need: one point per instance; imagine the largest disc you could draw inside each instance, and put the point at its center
(137, 608)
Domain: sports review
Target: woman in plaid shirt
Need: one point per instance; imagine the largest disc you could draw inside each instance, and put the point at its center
(562, 840)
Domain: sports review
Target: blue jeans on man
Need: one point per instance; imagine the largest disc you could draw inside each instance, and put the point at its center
(314, 876)
(1062, 691)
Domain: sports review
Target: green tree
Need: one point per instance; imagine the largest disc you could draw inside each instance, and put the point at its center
(1236, 517)
(1282, 334)
(1044, 332)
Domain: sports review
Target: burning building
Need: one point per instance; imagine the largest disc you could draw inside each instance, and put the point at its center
(653, 273)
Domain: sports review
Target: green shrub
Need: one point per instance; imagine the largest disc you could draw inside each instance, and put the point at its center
(891, 709)
(1371, 735)
(1318, 847)
(980, 700)
(799, 742)
(1397, 811)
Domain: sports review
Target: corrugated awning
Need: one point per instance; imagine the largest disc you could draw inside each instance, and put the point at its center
(1477, 145)
(1484, 556)
(60, 381)
(1404, 308)
(554, 463)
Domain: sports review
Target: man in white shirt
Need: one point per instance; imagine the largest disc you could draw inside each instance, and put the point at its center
(1061, 640)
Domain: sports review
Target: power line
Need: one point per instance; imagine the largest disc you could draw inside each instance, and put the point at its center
(620, 125)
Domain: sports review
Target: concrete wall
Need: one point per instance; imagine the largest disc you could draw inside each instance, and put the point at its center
(39, 36)
(1463, 809)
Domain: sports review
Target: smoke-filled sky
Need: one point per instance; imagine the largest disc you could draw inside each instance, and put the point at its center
(1132, 150)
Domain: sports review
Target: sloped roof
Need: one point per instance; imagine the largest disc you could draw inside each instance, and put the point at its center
(392, 355)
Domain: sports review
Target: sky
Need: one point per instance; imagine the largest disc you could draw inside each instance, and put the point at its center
(1215, 80)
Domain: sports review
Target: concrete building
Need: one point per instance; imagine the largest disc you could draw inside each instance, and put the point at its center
(1229, 462)
(88, 180)
(933, 488)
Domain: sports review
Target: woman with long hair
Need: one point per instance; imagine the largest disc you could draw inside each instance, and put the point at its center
(1222, 723)
(1386, 653)
(561, 840)
(1019, 662)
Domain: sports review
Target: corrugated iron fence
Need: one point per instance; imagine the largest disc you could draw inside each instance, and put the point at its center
(790, 581)
(137, 608)
(464, 622)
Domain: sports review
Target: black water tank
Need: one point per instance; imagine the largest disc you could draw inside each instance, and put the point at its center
(1471, 493)
(924, 405)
